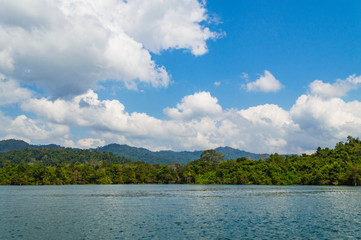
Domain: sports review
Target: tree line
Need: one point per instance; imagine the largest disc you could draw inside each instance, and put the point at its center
(338, 166)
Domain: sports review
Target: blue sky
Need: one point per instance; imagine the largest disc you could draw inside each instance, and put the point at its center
(261, 76)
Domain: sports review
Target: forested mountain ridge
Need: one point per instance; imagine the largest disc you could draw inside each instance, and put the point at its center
(57, 156)
(142, 154)
(39, 166)
(228, 153)
(136, 154)
(169, 157)
(13, 144)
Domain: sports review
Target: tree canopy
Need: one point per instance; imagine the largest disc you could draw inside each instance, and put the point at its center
(338, 166)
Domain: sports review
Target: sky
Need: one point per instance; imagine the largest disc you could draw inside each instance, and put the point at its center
(261, 76)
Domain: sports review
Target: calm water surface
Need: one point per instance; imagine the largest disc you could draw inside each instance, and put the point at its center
(179, 212)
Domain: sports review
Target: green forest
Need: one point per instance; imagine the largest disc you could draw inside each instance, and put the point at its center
(45, 166)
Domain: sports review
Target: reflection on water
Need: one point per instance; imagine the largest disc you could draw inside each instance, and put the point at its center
(179, 212)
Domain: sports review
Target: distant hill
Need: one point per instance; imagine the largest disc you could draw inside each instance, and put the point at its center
(13, 144)
(142, 154)
(168, 157)
(181, 157)
(232, 153)
(135, 154)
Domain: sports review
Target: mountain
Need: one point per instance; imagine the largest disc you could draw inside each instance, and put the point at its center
(181, 157)
(169, 157)
(13, 144)
(232, 153)
(135, 154)
(142, 154)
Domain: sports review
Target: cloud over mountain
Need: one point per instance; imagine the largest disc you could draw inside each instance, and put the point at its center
(199, 122)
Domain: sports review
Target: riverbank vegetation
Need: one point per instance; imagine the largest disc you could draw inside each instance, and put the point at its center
(338, 166)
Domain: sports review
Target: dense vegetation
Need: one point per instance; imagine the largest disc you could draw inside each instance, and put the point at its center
(54, 157)
(141, 154)
(136, 154)
(338, 166)
(12, 144)
(168, 157)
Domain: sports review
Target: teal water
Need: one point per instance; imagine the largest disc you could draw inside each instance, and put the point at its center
(179, 212)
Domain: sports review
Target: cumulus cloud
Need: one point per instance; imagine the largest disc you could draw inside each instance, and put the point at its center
(87, 143)
(327, 117)
(267, 114)
(29, 129)
(169, 24)
(194, 106)
(197, 122)
(84, 143)
(67, 46)
(337, 89)
(87, 111)
(11, 92)
(266, 83)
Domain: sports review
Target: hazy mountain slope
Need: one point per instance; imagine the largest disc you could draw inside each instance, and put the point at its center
(232, 153)
(12, 144)
(142, 154)
(135, 154)
(168, 157)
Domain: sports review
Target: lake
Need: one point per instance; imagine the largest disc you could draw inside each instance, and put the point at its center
(179, 212)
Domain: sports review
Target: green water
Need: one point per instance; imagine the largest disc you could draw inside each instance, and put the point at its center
(179, 212)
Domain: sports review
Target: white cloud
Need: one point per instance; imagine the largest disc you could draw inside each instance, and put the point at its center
(11, 92)
(320, 88)
(266, 83)
(28, 129)
(67, 46)
(87, 111)
(87, 143)
(194, 106)
(268, 114)
(338, 89)
(197, 122)
(327, 117)
(168, 24)
(217, 84)
(324, 117)
(6, 61)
